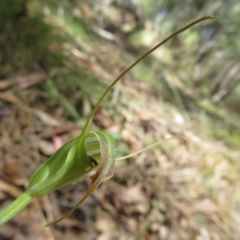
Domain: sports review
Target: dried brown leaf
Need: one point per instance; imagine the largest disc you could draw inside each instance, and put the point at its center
(46, 147)
(23, 82)
(10, 189)
(132, 194)
(205, 205)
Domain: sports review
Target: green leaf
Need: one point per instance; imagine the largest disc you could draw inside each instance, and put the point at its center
(15, 207)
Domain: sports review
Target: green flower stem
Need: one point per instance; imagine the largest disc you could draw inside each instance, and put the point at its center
(15, 207)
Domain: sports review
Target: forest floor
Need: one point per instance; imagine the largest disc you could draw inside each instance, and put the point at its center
(186, 188)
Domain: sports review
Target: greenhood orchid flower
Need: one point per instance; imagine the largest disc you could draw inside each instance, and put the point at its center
(78, 157)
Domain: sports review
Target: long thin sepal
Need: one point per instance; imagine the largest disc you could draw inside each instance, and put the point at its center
(15, 207)
(140, 151)
(89, 120)
(147, 148)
